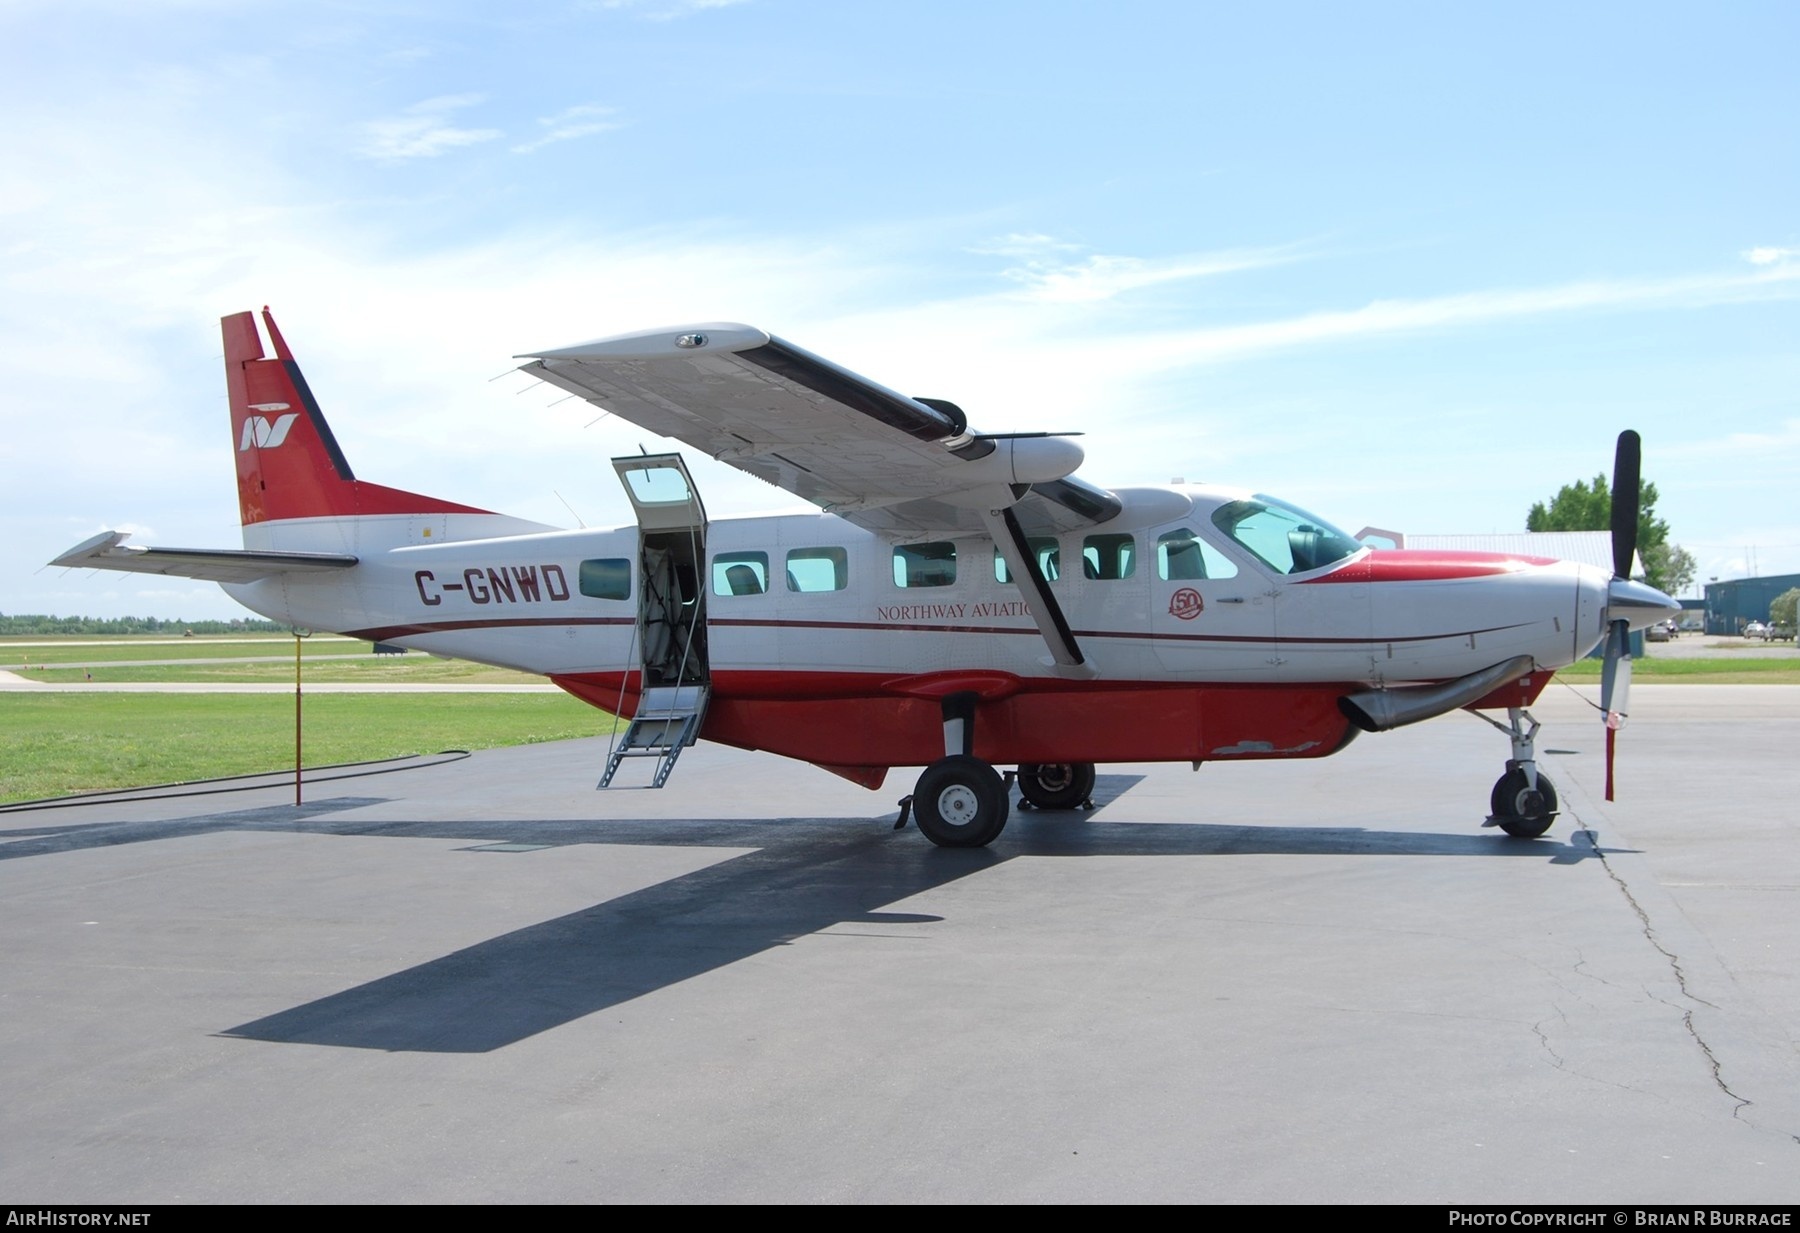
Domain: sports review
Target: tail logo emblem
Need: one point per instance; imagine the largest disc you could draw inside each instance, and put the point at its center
(263, 434)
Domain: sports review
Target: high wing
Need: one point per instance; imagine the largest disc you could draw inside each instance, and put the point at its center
(108, 550)
(902, 467)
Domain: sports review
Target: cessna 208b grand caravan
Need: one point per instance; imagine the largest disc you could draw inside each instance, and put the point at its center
(961, 600)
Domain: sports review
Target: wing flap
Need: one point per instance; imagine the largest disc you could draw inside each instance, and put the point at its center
(108, 550)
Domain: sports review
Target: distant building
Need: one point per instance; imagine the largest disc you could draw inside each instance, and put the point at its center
(1732, 605)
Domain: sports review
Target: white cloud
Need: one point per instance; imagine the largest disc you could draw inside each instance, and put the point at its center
(1780, 440)
(1048, 271)
(1770, 256)
(1180, 348)
(1031, 245)
(583, 120)
(422, 131)
(188, 595)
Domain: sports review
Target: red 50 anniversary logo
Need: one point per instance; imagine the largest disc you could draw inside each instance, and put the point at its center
(1186, 604)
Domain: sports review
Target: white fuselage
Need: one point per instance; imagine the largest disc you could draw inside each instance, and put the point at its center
(502, 591)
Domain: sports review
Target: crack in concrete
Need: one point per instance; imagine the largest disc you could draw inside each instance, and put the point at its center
(1561, 1063)
(1718, 1076)
(1580, 968)
(1556, 1059)
(1681, 982)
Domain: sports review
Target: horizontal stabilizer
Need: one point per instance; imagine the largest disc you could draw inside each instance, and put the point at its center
(108, 550)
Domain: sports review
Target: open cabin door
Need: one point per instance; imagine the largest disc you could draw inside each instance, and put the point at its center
(671, 625)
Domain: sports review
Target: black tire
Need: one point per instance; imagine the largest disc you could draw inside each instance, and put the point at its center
(1518, 810)
(960, 802)
(1056, 785)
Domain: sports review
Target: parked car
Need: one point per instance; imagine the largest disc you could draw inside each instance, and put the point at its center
(1785, 632)
(1756, 629)
(1658, 632)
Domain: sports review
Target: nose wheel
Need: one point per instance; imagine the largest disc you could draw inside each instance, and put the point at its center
(1523, 803)
(1520, 809)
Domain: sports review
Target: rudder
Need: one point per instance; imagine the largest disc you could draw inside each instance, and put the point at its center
(289, 464)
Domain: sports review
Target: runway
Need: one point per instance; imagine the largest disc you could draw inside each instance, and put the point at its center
(1318, 982)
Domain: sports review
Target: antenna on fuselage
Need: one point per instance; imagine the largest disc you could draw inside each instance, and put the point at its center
(578, 522)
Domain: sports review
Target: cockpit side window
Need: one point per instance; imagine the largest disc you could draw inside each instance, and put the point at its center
(1285, 538)
(1181, 554)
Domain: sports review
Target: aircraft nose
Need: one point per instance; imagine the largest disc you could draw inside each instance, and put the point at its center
(1637, 604)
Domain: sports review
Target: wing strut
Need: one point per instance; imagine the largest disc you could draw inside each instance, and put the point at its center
(1021, 563)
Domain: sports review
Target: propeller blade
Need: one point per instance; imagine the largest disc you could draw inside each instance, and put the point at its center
(1615, 681)
(1626, 463)
(1615, 689)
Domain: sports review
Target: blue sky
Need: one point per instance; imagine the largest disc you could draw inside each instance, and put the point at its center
(1411, 266)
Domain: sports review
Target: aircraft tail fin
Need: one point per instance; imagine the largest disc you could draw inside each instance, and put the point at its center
(289, 464)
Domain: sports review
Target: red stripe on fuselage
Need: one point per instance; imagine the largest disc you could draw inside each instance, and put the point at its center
(387, 632)
(1412, 565)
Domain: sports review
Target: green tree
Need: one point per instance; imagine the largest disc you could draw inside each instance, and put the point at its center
(1781, 608)
(1670, 567)
(40, 624)
(1587, 506)
(1579, 507)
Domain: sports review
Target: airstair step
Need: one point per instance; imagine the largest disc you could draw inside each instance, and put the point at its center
(667, 721)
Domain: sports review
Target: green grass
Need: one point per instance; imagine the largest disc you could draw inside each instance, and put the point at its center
(54, 744)
(371, 670)
(1697, 671)
(192, 660)
(68, 649)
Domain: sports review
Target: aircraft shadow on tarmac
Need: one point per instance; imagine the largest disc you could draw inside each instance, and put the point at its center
(804, 875)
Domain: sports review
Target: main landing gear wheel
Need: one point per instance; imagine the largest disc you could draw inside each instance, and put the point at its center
(1519, 811)
(960, 802)
(1056, 785)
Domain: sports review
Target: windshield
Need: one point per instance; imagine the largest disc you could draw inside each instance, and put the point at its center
(1284, 537)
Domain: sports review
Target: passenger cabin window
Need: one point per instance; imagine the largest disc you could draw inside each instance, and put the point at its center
(925, 565)
(817, 569)
(740, 573)
(1108, 557)
(1181, 554)
(1285, 538)
(1047, 552)
(605, 578)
